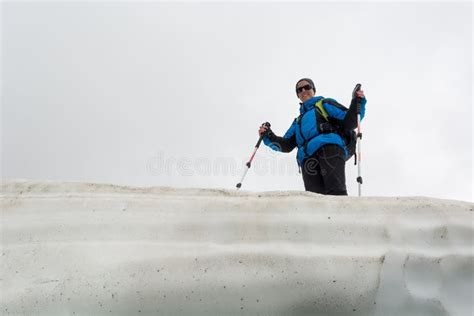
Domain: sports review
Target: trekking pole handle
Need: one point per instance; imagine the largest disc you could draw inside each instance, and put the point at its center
(354, 95)
(267, 124)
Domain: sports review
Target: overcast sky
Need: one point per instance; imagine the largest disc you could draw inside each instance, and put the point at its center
(172, 94)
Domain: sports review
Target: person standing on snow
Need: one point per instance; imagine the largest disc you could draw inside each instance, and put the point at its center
(321, 152)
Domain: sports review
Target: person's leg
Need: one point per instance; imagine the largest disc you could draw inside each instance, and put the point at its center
(332, 165)
(312, 179)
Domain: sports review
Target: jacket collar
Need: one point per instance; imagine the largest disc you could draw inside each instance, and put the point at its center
(309, 104)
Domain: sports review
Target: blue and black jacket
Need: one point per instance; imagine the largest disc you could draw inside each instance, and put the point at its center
(305, 134)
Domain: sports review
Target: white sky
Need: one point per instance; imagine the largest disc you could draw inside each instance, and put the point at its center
(172, 94)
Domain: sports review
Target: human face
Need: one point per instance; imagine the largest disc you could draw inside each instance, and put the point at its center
(305, 94)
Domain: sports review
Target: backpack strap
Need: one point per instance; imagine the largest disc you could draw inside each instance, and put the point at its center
(320, 108)
(336, 104)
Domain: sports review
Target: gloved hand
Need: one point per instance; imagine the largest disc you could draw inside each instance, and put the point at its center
(350, 120)
(357, 97)
(264, 129)
(358, 94)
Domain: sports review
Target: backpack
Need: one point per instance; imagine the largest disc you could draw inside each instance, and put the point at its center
(348, 136)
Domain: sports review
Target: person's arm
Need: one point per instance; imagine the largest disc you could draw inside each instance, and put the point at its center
(347, 117)
(350, 119)
(284, 144)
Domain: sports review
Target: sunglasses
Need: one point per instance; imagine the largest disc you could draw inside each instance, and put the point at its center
(306, 87)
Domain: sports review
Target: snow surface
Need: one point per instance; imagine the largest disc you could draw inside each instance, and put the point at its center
(94, 249)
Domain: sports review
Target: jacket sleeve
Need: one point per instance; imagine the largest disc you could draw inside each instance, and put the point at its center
(283, 144)
(348, 117)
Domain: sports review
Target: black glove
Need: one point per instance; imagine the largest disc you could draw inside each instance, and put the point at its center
(355, 99)
(350, 121)
(357, 88)
(269, 131)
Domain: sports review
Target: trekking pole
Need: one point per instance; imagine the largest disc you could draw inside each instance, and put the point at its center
(249, 163)
(359, 140)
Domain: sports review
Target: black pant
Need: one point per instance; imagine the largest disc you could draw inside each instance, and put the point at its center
(324, 172)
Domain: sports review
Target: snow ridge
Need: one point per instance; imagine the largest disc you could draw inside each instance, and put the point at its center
(88, 248)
